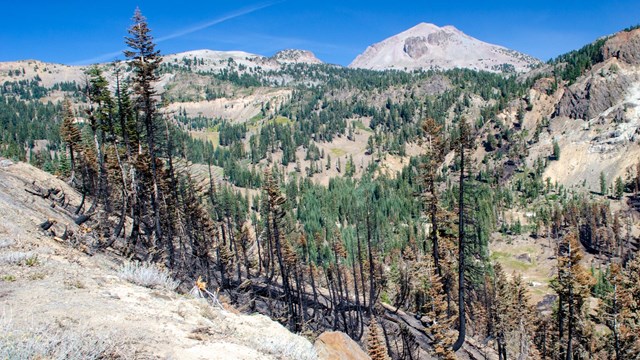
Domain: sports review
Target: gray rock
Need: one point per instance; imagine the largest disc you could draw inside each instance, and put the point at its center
(416, 47)
(524, 257)
(591, 97)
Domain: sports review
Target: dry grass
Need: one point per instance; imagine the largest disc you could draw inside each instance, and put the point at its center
(19, 258)
(147, 275)
(48, 341)
(510, 262)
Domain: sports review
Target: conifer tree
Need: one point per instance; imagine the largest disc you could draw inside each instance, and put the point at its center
(435, 152)
(603, 184)
(523, 317)
(572, 284)
(465, 143)
(100, 114)
(275, 212)
(620, 311)
(436, 310)
(502, 314)
(619, 188)
(146, 61)
(376, 347)
(70, 133)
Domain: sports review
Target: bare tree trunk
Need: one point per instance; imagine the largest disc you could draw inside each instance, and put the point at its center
(372, 287)
(461, 267)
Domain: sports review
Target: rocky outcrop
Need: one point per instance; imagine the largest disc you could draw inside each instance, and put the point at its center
(625, 46)
(440, 38)
(595, 94)
(296, 56)
(336, 345)
(416, 46)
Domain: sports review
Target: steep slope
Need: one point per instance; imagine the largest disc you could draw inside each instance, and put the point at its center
(590, 110)
(51, 290)
(596, 119)
(427, 46)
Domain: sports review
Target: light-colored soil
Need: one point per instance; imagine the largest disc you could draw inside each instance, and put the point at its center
(64, 287)
(240, 108)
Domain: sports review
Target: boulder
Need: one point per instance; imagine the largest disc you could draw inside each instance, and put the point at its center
(336, 345)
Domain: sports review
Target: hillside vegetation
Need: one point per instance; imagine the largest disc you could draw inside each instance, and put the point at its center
(425, 214)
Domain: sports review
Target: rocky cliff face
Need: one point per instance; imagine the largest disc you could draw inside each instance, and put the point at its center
(624, 46)
(608, 84)
(593, 95)
(596, 120)
(427, 46)
(290, 56)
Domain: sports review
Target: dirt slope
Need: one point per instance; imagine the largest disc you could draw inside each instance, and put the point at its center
(44, 282)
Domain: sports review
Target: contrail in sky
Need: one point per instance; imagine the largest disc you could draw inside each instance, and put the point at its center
(183, 32)
(233, 15)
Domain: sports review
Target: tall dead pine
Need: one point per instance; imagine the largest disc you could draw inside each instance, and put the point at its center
(375, 343)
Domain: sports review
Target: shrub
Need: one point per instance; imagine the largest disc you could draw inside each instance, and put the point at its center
(556, 150)
(147, 275)
(48, 341)
(19, 258)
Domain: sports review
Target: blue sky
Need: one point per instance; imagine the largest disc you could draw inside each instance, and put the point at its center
(73, 32)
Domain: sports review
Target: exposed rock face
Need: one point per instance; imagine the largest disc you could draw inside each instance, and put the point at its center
(595, 94)
(416, 46)
(427, 46)
(336, 345)
(607, 98)
(439, 38)
(296, 56)
(625, 46)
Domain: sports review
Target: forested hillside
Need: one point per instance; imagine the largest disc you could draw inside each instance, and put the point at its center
(426, 214)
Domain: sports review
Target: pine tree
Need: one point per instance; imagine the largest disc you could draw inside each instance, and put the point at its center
(70, 133)
(274, 208)
(435, 153)
(465, 142)
(556, 150)
(376, 347)
(146, 61)
(502, 314)
(572, 284)
(436, 310)
(620, 311)
(619, 188)
(523, 317)
(100, 114)
(603, 184)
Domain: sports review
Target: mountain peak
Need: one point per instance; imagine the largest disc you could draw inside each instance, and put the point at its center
(430, 27)
(288, 56)
(428, 46)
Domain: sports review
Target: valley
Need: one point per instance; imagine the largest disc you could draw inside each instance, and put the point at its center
(423, 203)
